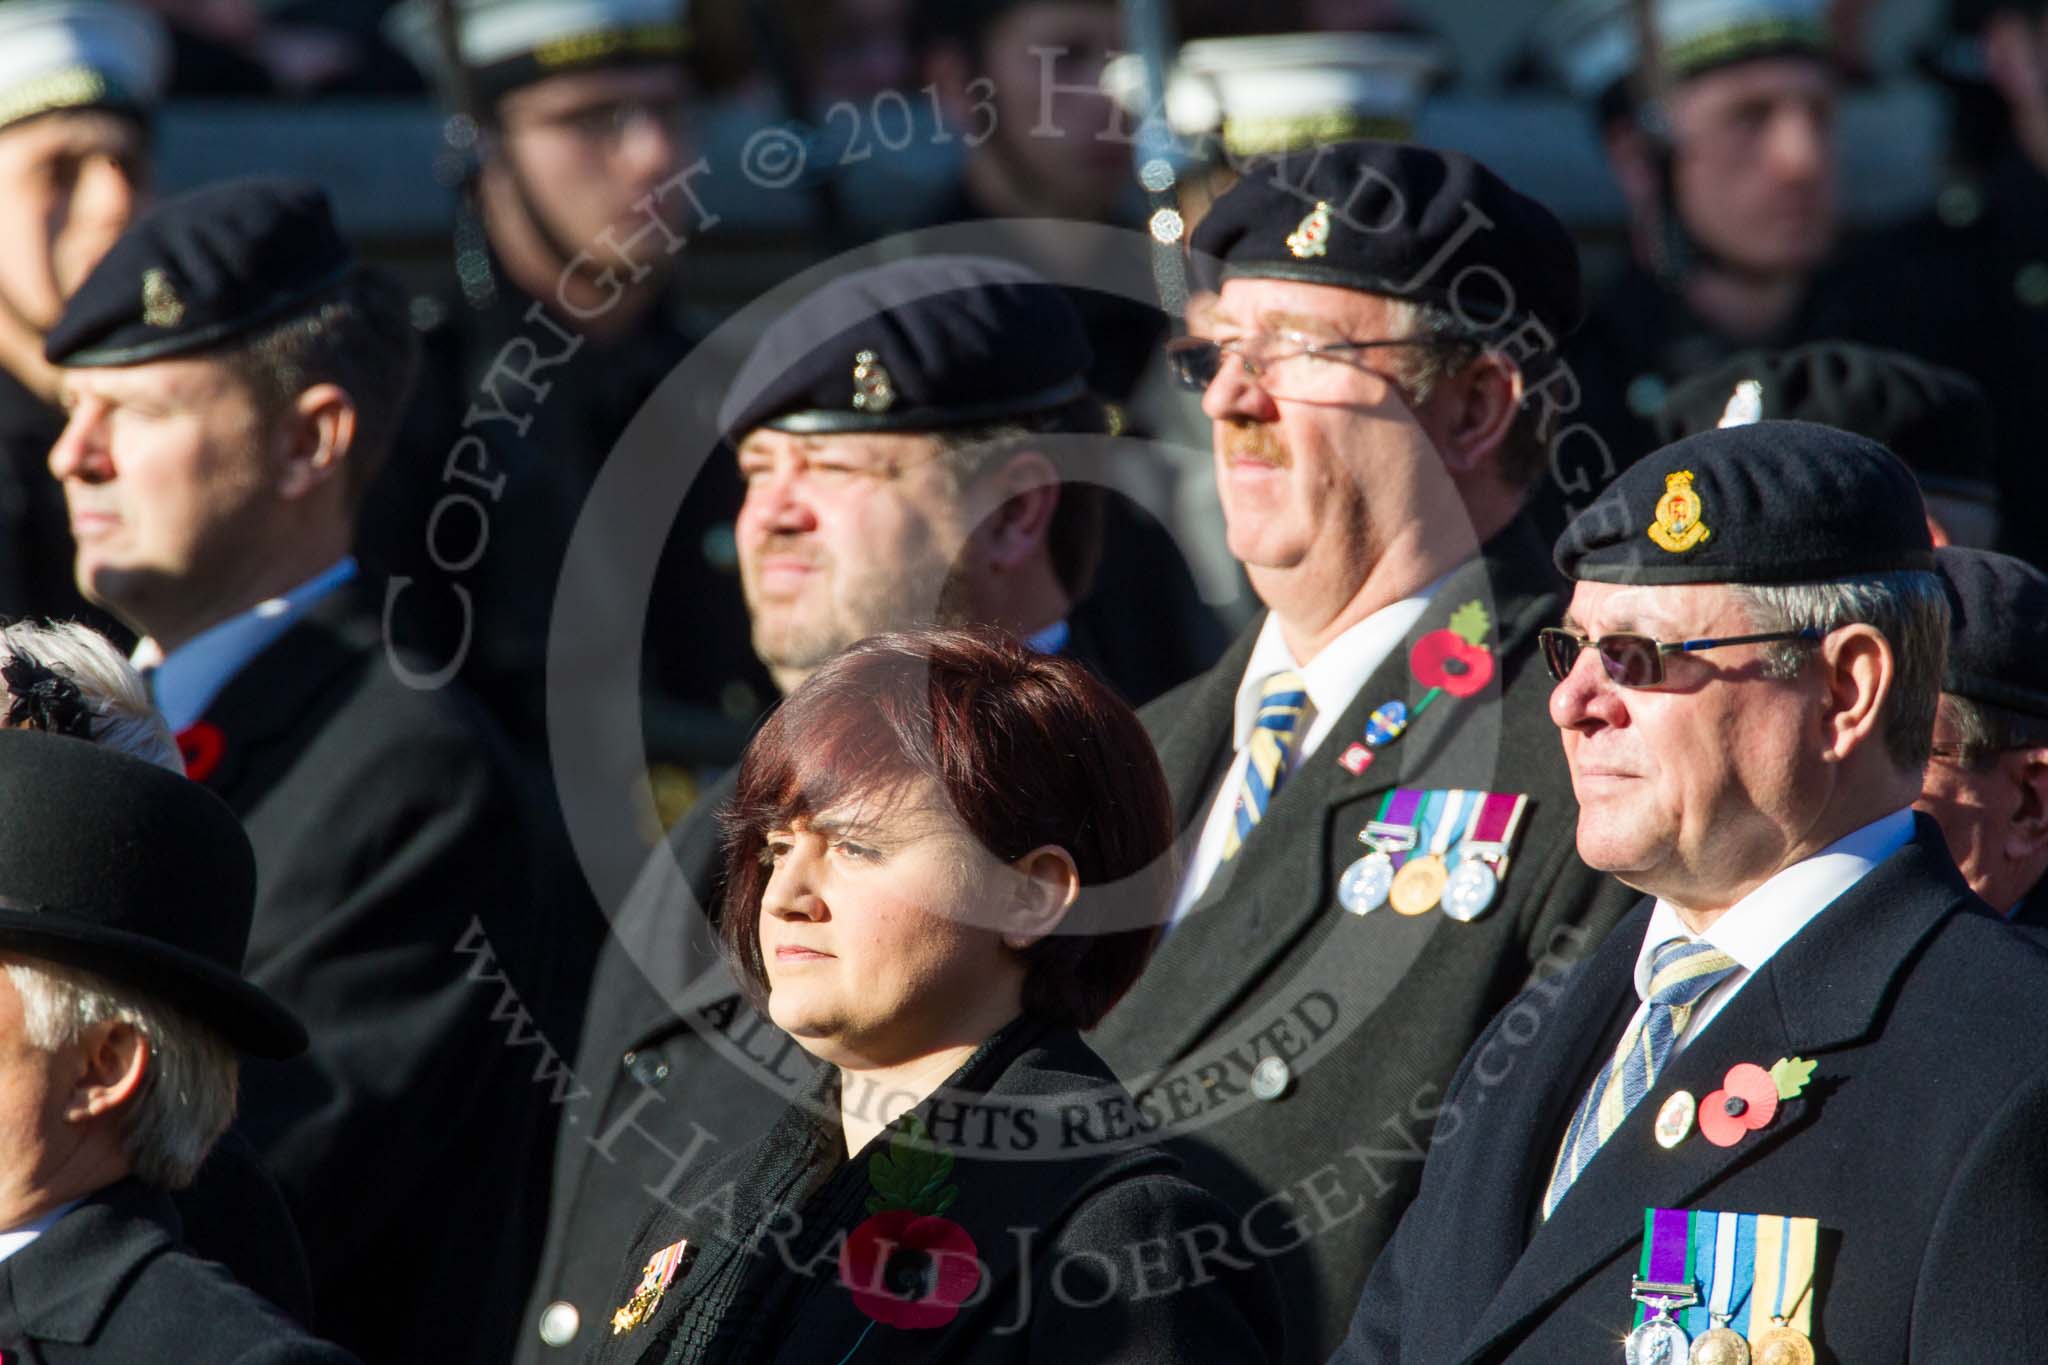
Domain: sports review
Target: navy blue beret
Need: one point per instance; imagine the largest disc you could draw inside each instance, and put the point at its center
(916, 345)
(1998, 632)
(1937, 420)
(200, 270)
(1395, 219)
(1769, 502)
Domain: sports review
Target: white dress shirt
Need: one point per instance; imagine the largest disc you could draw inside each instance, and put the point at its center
(15, 1239)
(1332, 680)
(1769, 917)
(185, 682)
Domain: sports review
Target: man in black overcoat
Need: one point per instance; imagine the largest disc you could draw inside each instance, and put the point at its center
(1377, 351)
(1809, 1024)
(125, 898)
(947, 476)
(234, 376)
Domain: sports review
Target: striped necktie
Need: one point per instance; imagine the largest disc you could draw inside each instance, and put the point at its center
(1681, 971)
(1282, 701)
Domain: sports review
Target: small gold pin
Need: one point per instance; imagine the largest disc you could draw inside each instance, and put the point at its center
(1678, 526)
(161, 306)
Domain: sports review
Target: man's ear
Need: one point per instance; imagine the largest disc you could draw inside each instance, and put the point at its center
(1024, 494)
(1861, 674)
(1046, 887)
(318, 433)
(113, 1062)
(1478, 408)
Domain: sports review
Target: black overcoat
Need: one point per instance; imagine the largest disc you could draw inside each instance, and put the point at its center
(1370, 1014)
(109, 1284)
(394, 913)
(1916, 1144)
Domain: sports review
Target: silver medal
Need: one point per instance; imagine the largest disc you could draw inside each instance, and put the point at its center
(1659, 1341)
(1364, 886)
(1471, 889)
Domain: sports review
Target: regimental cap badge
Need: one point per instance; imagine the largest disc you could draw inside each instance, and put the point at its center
(161, 306)
(655, 1278)
(874, 389)
(1311, 236)
(1745, 405)
(1678, 526)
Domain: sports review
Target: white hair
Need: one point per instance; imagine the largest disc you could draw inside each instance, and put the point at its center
(187, 1097)
(124, 719)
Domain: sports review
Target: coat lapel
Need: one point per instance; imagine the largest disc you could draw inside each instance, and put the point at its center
(1823, 991)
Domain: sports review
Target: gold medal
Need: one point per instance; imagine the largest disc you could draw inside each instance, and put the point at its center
(655, 1278)
(1720, 1345)
(1781, 1345)
(1419, 885)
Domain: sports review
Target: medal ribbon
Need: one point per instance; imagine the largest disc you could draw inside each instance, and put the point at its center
(1398, 809)
(1667, 1253)
(1724, 1262)
(1497, 818)
(1451, 807)
(1785, 1252)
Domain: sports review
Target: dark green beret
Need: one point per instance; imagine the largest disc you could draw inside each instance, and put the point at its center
(201, 270)
(1937, 420)
(924, 344)
(1998, 631)
(1770, 502)
(1399, 220)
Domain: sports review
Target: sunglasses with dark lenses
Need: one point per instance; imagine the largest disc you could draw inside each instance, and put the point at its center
(1638, 660)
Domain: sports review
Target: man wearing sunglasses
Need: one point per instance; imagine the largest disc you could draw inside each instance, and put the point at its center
(1791, 1109)
(1987, 783)
(1374, 350)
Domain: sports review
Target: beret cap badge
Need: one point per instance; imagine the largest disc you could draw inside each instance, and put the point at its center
(161, 306)
(874, 390)
(1678, 526)
(1311, 237)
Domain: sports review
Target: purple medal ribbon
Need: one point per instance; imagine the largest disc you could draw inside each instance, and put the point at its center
(1667, 1263)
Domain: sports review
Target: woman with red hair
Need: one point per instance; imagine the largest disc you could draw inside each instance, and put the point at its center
(947, 855)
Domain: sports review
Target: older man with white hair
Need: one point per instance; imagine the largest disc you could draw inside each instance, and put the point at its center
(125, 898)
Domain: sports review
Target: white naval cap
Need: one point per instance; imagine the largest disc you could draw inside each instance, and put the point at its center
(508, 43)
(79, 54)
(1282, 91)
(1588, 47)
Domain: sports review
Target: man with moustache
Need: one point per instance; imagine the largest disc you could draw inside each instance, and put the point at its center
(78, 82)
(915, 440)
(1987, 782)
(1791, 1109)
(1372, 805)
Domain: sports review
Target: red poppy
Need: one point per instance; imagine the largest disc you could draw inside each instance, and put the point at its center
(908, 1270)
(1444, 658)
(201, 745)
(1746, 1101)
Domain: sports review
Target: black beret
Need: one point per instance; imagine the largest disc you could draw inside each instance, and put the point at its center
(1395, 219)
(1998, 632)
(137, 874)
(916, 345)
(1769, 502)
(1937, 420)
(200, 270)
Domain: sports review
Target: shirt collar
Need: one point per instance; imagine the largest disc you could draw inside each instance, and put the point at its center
(14, 1239)
(1051, 640)
(1338, 670)
(1768, 918)
(185, 682)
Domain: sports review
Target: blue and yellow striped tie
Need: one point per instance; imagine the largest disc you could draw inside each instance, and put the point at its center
(1681, 971)
(1282, 701)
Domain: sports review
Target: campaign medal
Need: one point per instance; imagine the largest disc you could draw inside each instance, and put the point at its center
(1665, 1283)
(1730, 1240)
(655, 1278)
(1475, 881)
(1363, 887)
(1786, 1249)
(1420, 882)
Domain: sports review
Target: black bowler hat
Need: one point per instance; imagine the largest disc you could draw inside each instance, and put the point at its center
(926, 344)
(134, 873)
(1998, 629)
(1937, 420)
(1399, 220)
(200, 270)
(1770, 502)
